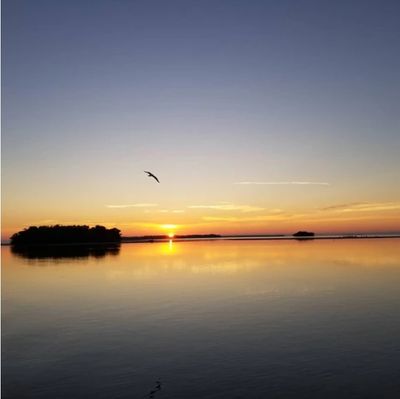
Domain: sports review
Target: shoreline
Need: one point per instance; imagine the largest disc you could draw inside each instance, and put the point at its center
(127, 240)
(261, 238)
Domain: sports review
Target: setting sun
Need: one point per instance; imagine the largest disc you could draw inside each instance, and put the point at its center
(171, 229)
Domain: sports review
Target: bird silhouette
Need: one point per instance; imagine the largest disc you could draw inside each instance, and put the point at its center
(151, 175)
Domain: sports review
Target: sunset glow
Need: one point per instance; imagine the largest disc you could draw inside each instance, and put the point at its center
(248, 131)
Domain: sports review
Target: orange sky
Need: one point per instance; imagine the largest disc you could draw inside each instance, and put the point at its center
(218, 218)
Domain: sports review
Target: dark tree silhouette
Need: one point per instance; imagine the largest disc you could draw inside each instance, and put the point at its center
(304, 234)
(54, 251)
(58, 234)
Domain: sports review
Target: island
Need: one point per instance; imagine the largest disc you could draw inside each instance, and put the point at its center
(58, 234)
(303, 234)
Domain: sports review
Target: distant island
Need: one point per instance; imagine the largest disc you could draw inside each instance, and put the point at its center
(148, 238)
(44, 235)
(303, 234)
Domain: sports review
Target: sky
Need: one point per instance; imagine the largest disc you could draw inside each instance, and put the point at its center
(256, 116)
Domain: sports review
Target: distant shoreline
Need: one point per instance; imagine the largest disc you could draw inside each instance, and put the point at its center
(135, 240)
(128, 240)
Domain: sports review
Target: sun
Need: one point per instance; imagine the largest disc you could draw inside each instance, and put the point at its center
(171, 229)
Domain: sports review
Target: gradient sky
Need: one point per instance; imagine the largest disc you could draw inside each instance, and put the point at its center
(206, 95)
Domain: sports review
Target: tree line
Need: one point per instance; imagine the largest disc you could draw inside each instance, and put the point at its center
(65, 235)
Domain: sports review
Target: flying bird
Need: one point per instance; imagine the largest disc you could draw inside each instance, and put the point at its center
(151, 175)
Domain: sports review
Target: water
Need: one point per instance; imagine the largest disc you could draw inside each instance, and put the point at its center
(211, 319)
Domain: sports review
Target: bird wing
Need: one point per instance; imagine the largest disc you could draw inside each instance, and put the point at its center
(151, 175)
(155, 178)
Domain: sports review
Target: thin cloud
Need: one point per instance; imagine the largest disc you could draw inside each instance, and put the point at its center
(152, 225)
(283, 183)
(228, 207)
(261, 218)
(140, 205)
(341, 206)
(164, 211)
(363, 207)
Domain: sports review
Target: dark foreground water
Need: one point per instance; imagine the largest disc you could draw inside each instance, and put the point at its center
(224, 319)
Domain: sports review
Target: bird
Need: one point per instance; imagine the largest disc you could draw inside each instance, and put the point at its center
(151, 175)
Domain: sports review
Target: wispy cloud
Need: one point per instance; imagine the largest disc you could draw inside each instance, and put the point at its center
(363, 207)
(226, 206)
(261, 218)
(147, 224)
(283, 183)
(341, 206)
(165, 211)
(140, 205)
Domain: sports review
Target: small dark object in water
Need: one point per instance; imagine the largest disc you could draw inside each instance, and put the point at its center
(151, 394)
(303, 234)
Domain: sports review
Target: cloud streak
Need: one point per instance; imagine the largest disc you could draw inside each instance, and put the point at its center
(363, 207)
(228, 207)
(260, 218)
(165, 211)
(282, 183)
(140, 205)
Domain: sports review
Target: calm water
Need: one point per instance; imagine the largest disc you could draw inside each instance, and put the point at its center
(224, 319)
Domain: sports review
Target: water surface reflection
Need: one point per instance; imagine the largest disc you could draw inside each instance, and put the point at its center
(226, 319)
(54, 252)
